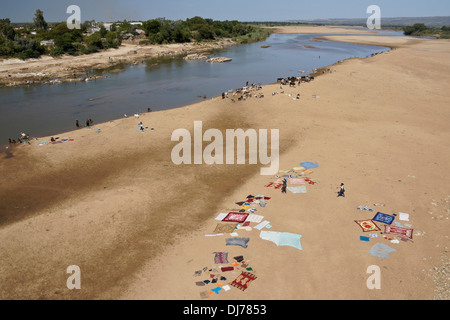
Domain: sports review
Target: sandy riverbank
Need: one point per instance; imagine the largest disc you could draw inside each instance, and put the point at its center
(68, 68)
(113, 203)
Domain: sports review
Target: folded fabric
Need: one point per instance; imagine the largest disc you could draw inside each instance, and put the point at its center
(309, 165)
(237, 242)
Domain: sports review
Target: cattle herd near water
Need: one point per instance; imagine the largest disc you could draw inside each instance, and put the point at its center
(251, 90)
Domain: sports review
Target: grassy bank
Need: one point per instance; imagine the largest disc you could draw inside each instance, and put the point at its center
(421, 30)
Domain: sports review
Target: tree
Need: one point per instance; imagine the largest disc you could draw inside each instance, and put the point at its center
(205, 33)
(39, 21)
(151, 26)
(6, 29)
(59, 30)
(181, 34)
(166, 32)
(65, 43)
(113, 39)
(95, 40)
(103, 31)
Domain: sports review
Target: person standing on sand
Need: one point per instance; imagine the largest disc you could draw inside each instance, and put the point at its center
(283, 188)
(341, 192)
(77, 123)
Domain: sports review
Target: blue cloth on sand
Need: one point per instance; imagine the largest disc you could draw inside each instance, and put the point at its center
(282, 238)
(384, 218)
(309, 165)
(381, 250)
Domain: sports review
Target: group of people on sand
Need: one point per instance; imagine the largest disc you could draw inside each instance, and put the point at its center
(23, 138)
(89, 123)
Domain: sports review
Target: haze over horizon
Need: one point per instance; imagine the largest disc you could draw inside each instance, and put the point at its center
(251, 10)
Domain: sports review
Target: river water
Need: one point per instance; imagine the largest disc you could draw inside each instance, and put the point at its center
(159, 84)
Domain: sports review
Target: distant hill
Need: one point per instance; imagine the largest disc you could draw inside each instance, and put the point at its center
(436, 22)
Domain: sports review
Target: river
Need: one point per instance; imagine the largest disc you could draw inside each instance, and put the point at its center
(159, 84)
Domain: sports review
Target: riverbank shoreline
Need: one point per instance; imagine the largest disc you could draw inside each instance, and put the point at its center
(112, 202)
(48, 70)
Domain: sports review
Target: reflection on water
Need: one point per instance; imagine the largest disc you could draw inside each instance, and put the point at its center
(164, 83)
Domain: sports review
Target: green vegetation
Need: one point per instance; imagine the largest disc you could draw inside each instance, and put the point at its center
(35, 39)
(31, 40)
(421, 30)
(12, 44)
(162, 31)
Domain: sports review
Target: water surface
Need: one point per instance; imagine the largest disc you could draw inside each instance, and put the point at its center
(42, 110)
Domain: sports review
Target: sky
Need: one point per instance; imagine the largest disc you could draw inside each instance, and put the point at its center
(242, 10)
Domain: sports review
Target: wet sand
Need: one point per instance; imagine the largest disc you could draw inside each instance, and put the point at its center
(113, 203)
